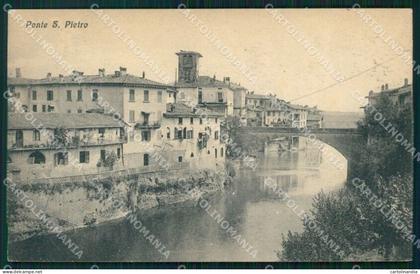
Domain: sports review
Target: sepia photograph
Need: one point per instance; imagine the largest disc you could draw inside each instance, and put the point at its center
(210, 135)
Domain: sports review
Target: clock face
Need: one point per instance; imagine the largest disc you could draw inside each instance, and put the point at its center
(188, 60)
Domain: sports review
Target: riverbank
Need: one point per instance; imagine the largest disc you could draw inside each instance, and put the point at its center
(74, 205)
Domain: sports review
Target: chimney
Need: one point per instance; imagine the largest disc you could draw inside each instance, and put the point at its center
(18, 73)
(101, 72)
(143, 75)
(77, 73)
(49, 75)
(123, 71)
(117, 73)
(405, 81)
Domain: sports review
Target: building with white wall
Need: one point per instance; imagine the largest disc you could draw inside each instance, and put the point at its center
(45, 145)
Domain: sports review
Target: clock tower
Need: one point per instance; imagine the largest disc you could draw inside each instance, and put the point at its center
(188, 66)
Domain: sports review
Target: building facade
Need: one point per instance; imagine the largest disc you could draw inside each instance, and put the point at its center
(135, 100)
(45, 145)
(400, 96)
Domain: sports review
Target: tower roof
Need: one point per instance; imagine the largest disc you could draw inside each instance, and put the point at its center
(183, 52)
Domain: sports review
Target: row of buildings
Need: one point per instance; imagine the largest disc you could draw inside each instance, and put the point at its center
(78, 124)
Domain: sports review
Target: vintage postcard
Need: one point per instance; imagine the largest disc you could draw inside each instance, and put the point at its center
(210, 135)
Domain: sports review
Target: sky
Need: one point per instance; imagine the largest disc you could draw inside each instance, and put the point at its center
(278, 62)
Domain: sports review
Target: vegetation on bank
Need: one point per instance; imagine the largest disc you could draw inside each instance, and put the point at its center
(371, 217)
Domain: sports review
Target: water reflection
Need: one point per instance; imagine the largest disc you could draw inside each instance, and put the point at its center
(191, 234)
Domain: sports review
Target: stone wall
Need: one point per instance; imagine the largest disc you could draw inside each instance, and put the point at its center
(78, 204)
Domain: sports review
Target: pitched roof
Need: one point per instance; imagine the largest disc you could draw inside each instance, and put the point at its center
(207, 81)
(189, 52)
(258, 96)
(125, 79)
(57, 120)
(314, 116)
(183, 110)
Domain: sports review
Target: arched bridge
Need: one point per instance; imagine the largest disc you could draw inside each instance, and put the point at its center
(342, 139)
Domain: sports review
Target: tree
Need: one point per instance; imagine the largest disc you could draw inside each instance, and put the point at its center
(375, 217)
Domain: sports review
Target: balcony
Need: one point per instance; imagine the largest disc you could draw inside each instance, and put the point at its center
(147, 125)
(75, 142)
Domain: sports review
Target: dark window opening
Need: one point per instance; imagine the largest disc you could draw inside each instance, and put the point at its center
(36, 157)
(50, 95)
(94, 95)
(36, 135)
(69, 95)
(103, 154)
(61, 158)
(79, 95)
(84, 157)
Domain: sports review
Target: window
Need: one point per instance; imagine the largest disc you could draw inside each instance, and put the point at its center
(69, 111)
(50, 95)
(36, 135)
(34, 108)
(146, 96)
(200, 95)
(69, 95)
(79, 95)
(159, 96)
(177, 134)
(101, 132)
(79, 110)
(33, 94)
(180, 121)
(215, 153)
(220, 97)
(131, 117)
(19, 138)
(201, 121)
(190, 134)
(192, 155)
(37, 158)
(179, 159)
(215, 120)
(216, 135)
(191, 120)
(50, 108)
(145, 159)
(145, 135)
(84, 157)
(168, 133)
(25, 108)
(61, 158)
(44, 108)
(119, 153)
(132, 95)
(103, 154)
(221, 152)
(94, 95)
(145, 117)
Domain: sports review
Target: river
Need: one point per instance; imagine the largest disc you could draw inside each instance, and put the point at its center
(190, 233)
